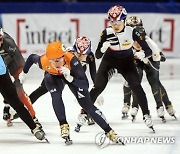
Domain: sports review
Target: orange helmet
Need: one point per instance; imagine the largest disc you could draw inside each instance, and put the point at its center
(55, 50)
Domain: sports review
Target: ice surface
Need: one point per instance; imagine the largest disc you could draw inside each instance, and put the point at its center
(19, 140)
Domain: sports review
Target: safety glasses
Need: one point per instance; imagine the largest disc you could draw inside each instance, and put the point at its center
(118, 22)
(58, 60)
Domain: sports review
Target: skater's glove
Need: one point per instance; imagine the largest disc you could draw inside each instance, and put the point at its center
(66, 72)
(22, 77)
(139, 55)
(105, 46)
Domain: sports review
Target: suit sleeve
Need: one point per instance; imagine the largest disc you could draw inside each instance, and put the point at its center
(92, 66)
(98, 52)
(32, 59)
(80, 79)
(139, 36)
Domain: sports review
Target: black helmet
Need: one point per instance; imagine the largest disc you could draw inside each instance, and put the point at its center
(134, 21)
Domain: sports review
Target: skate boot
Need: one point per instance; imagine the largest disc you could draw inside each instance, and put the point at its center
(160, 113)
(38, 133)
(90, 120)
(13, 116)
(134, 112)
(65, 133)
(125, 110)
(148, 121)
(81, 120)
(114, 137)
(171, 111)
(6, 113)
(36, 121)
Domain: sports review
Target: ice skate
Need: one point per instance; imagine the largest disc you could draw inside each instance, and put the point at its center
(114, 137)
(6, 113)
(39, 134)
(148, 121)
(160, 113)
(125, 110)
(171, 111)
(65, 134)
(38, 124)
(77, 128)
(81, 121)
(134, 112)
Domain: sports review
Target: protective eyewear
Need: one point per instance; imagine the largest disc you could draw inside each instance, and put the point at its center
(57, 60)
(118, 22)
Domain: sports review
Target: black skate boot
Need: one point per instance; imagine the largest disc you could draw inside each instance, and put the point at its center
(38, 124)
(6, 113)
(65, 134)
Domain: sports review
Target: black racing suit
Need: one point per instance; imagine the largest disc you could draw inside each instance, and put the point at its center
(120, 56)
(8, 91)
(41, 90)
(15, 63)
(79, 87)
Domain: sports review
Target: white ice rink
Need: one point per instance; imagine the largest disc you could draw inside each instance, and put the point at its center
(18, 139)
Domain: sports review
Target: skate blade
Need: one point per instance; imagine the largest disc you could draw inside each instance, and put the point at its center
(77, 130)
(68, 142)
(175, 117)
(125, 117)
(163, 119)
(47, 141)
(120, 142)
(133, 119)
(152, 129)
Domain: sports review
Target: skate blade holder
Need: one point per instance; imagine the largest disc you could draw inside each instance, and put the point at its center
(68, 141)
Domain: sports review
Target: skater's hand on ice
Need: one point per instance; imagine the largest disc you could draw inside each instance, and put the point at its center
(66, 72)
(105, 46)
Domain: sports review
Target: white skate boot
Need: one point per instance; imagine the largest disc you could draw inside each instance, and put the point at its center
(148, 121)
(160, 113)
(125, 110)
(114, 137)
(65, 134)
(81, 121)
(134, 112)
(171, 111)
